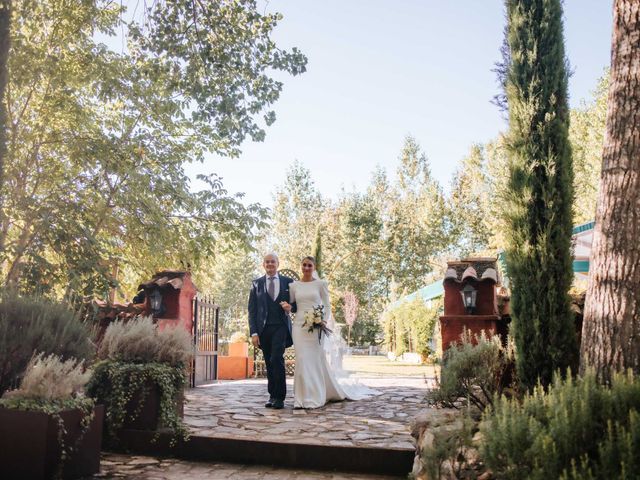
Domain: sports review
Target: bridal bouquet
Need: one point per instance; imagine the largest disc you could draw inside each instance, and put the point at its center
(314, 319)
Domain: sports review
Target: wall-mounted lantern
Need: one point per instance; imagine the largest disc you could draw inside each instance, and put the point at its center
(155, 301)
(469, 298)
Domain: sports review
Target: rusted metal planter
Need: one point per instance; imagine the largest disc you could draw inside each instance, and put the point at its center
(148, 417)
(29, 447)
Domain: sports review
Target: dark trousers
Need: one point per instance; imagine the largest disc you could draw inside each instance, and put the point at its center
(272, 341)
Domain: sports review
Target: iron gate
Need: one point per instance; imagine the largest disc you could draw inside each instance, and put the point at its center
(205, 340)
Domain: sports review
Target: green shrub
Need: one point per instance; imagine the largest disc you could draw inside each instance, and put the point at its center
(140, 341)
(476, 370)
(446, 456)
(136, 357)
(115, 383)
(578, 430)
(30, 325)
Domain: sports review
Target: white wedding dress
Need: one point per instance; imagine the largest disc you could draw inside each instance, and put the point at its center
(314, 381)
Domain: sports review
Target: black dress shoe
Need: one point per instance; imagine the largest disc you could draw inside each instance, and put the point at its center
(269, 404)
(278, 404)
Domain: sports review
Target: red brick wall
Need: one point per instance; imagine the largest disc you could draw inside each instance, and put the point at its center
(452, 327)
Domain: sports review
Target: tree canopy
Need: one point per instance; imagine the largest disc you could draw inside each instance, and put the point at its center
(98, 139)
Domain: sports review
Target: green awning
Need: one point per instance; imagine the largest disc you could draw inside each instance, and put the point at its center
(436, 289)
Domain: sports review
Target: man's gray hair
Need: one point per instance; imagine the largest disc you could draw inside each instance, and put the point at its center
(272, 254)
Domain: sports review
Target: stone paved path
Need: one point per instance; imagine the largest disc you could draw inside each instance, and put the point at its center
(235, 409)
(114, 466)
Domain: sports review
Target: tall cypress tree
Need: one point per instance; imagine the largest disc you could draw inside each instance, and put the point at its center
(317, 252)
(540, 190)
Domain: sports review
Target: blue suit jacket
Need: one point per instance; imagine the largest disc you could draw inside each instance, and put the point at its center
(259, 307)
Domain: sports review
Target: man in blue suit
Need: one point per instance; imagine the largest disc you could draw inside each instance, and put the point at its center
(270, 326)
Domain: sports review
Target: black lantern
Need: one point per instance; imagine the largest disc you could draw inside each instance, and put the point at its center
(469, 298)
(155, 300)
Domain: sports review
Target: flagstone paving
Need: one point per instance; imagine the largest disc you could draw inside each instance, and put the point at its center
(116, 466)
(235, 409)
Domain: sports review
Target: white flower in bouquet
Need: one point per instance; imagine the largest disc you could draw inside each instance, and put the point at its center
(308, 319)
(314, 320)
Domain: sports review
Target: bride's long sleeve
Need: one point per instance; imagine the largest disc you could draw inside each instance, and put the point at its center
(324, 295)
(292, 294)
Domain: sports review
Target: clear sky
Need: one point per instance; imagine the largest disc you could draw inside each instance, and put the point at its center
(382, 69)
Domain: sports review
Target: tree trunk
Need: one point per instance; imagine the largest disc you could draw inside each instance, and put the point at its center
(14, 263)
(5, 41)
(611, 328)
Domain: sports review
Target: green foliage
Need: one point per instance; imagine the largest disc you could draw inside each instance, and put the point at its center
(350, 310)
(469, 204)
(228, 277)
(540, 191)
(477, 370)
(479, 193)
(96, 189)
(33, 325)
(424, 325)
(410, 326)
(140, 341)
(587, 130)
(298, 206)
(403, 341)
(577, 430)
(116, 384)
(393, 230)
(136, 359)
(48, 406)
(317, 251)
(445, 456)
(496, 164)
(353, 261)
(415, 223)
(218, 56)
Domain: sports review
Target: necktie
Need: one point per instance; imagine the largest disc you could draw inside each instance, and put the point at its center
(272, 288)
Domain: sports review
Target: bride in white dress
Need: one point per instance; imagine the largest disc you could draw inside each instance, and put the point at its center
(314, 382)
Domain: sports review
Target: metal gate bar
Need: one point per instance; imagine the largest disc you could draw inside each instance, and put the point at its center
(205, 341)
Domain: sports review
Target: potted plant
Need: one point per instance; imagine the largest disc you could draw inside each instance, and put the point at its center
(140, 377)
(238, 346)
(48, 427)
(32, 324)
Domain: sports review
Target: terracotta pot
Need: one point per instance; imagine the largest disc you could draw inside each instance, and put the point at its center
(239, 349)
(29, 447)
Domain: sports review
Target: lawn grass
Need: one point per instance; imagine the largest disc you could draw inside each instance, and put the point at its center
(382, 366)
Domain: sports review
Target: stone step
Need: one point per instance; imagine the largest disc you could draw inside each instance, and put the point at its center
(361, 459)
(118, 466)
